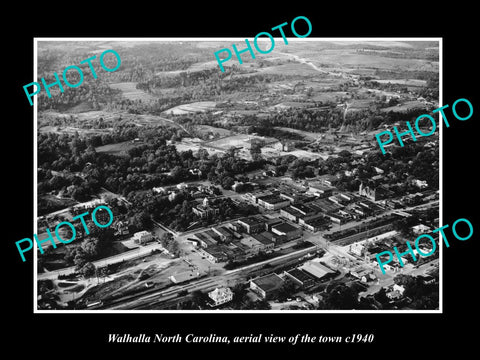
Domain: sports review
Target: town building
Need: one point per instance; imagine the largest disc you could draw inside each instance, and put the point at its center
(320, 190)
(252, 224)
(215, 253)
(273, 202)
(327, 179)
(290, 213)
(205, 210)
(121, 228)
(267, 286)
(268, 243)
(250, 246)
(289, 232)
(375, 194)
(220, 296)
(204, 239)
(300, 278)
(357, 249)
(422, 184)
(142, 237)
(224, 233)
(316, 269)
(270, 222)
(314, 224)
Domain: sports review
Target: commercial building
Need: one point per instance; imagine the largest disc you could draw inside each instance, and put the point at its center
(268, 242)
(250, 246)
(316, 269)
(267, 286)
(289, 232)
(375, 194)
(313, 223)
(224, 233)
(290, 213)
(320, 190)
(252, 224)
(215, 253)
(300, 277)
(270, 222)
(273, 202)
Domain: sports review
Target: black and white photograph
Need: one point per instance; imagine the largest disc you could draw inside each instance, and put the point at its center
(254, 186)
(217, 180)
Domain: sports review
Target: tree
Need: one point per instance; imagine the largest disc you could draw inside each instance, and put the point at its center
(80, 258)
(287, 290)
(341, 297)
(88, 270)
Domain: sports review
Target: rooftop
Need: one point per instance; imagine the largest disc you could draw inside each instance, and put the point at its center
(274, 199)
(265, 240)
(251, 220)
(269, 282)
(285, 228)
(315, 268)
(299, 274)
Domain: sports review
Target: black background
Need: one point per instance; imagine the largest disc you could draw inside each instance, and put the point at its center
(62, 335)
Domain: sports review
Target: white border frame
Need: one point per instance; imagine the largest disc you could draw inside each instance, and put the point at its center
(180, 312)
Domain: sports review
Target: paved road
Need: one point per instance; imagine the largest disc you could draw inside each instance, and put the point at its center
(421, 270)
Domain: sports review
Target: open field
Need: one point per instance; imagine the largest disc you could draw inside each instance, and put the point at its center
(129, 91)
(119, 149)
(239, 140)
(201, 106)
(406, 82)
(110, 118)
(405, 107)
(72, 130)
(306, 134)
(195, 144)
(205, 129)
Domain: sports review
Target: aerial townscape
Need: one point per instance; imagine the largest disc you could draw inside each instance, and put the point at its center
(261, 187)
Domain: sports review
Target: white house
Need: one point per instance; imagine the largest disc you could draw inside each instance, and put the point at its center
(220, 295)
(142, 237)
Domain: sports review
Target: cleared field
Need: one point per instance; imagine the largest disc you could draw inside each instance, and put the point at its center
(195, 144)
(130, 92)
(291, 69)
(205, 129)
(201, 106)
(409, 82)
(72, 130)
(119, 149)
(405, 107)
(349, 59)
(306, 134)
(240, 140)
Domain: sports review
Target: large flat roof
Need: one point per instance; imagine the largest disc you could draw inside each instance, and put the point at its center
(285, 227)
(269, 282)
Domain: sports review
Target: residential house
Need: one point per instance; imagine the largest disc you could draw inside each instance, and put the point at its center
(220, 296)
(142, 237)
